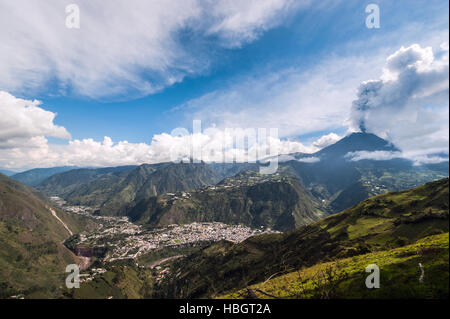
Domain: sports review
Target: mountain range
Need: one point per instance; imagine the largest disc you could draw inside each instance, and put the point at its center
(7, 172)
(331, 183)
(111, 190)
(328, 213)
(34, 177)
(269, 201)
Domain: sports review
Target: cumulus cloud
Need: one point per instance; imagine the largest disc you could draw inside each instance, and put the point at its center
(133, 48)
(307, 97)
(409, 103)
(327, 140)
(219, 147)
(24, 124)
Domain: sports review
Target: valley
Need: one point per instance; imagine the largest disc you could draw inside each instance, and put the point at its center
(214, 230)
(116, 238)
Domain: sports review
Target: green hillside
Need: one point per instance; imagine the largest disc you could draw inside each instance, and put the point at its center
(124, 281)
(35, 176)
(111, 190)
(380, 223)
(32, 257)
(64, 183)
(345, 278)
(270, 201)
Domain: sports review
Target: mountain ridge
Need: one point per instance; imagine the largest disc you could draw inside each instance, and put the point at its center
(356, 142)
(110, 190)
(334, 180)
(277, 202)
(35, 176)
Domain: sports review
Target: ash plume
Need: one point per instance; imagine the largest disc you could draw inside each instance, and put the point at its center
(412, 80)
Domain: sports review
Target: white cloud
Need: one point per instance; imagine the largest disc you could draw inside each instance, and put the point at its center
(311, 159)
(287, 158)
(327, 140)
(409, 104)
(427, 159)
(416, 158)
(24, 124)
(375, 155)
(88, 152)
(297, 101)
(122, 47)
(242, 21)
(310, 96)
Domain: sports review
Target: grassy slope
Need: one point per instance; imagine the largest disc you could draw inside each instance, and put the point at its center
(118, 282)
(32, 257)
(345, 278)
(384, 222)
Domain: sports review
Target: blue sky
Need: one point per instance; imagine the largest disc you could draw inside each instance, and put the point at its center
(301, 41)
(216, 69)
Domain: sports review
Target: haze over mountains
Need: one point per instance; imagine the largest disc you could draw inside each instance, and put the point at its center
(36, 176)
(7, 172)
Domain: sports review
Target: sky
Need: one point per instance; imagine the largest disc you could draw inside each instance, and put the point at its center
(112, 91)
